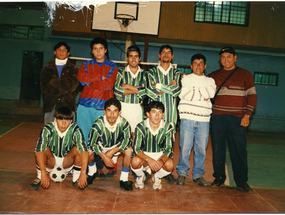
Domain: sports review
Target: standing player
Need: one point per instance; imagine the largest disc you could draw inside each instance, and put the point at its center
(109, 136)
(163, 84)
(61, 145)
(98, 77)
(152, 146)
(130, 88)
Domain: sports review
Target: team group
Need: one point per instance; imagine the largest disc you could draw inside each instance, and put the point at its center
(112, 118)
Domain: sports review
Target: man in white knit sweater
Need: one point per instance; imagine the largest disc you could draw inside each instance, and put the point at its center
(195, 109)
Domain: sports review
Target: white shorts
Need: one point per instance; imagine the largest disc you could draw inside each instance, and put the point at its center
(59, 162)
(105, 149)
(133, 113)
(154, 155)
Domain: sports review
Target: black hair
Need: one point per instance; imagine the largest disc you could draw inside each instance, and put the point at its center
(58, 45)
(167, 47)
(133, 49)
(112, 101)
(154, 104)
(98, 40)
(63, 113)
(198, 57)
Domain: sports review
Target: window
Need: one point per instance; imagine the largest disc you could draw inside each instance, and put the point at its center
(184, 69)
(233, 13)
(22, 32)
(266, 78)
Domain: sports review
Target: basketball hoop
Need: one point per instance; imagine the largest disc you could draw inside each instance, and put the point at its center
(124, 21)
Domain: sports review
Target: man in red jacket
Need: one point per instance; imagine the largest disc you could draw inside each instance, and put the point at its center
(231, 115)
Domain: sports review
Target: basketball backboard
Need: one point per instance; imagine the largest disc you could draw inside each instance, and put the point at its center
(131, 17)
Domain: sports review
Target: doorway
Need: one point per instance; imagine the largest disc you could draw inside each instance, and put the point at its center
(32, 64)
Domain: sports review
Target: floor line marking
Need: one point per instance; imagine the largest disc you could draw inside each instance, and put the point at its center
(11, 129)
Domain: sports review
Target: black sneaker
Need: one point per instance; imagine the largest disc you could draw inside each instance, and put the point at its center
(201, 181)
(111, 173)
(181, 179)
(147, 177)
(245, 189)
(127, 185)
(90, 179)
(36, 184)
(101, 175)
(216, 183)
(75, 184)
(171, 179)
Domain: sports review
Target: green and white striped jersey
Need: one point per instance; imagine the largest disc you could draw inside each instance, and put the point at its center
(168, 98)
(60, 146)
(146, 141)
(101, 136)
(124, 76)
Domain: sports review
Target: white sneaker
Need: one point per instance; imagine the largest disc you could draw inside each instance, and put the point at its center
(156, 183)
(139, 182)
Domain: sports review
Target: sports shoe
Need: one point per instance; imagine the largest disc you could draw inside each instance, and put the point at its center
(216, 183)
(36, 184)
(201, 181)
(156, 183)
(100, 174)
(90, 179)
(75, 184)
(245, 189)
(70, 173)
(139, 184)
(111, 173)
(147, 177)
(181, 179)
(127, 185)
(171, 179)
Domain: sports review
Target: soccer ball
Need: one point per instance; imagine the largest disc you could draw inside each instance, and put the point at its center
(57, 175)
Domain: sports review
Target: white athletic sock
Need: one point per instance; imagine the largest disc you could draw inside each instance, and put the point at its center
(125, 173)
(161, 173)
(39, 173)
(92, 169)
(76, 173)
(139, 172)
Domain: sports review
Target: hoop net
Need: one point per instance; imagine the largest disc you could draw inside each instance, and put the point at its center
(124, 21)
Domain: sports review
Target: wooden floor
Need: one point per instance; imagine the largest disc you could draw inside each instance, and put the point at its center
(17, 171)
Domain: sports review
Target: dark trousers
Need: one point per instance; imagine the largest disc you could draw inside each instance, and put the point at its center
(227, 127)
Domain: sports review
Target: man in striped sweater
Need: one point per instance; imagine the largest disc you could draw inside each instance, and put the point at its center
(153, 147)
(232, 111)
(130, 88)
(195, 109)
(61, 145)
(110, 135)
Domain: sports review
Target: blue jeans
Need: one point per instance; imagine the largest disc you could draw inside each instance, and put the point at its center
(85, 119)
(227, 127)
(197, 133)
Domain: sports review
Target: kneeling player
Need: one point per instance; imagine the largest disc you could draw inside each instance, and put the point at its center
(61, 146)
(153, 143)
(110, 135)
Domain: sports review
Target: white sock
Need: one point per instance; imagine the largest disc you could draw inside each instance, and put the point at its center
(39, 173)
(124, 176)
(161, 173)
(76, 173)
(92, 169)
(139, 172)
